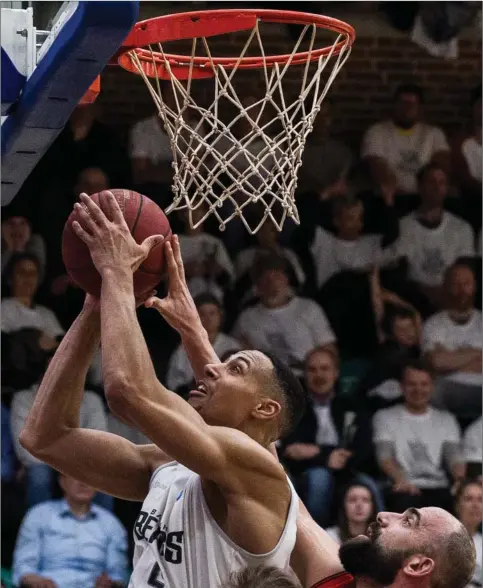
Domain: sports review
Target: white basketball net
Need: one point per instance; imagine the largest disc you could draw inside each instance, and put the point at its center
(224, 173)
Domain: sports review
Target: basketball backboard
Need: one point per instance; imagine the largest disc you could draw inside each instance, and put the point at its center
(45, 74)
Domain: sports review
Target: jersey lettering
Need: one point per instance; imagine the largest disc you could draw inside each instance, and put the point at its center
(154, 579)
(169, 545)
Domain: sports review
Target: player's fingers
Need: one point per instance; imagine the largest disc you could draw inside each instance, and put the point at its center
(112, 205)
(177, 257)
(143, 298)
(85, 219)
(151, 242)
(173, 271)
(95, 212)
(81, 233)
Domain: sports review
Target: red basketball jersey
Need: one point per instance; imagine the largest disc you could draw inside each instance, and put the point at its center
(341, 580)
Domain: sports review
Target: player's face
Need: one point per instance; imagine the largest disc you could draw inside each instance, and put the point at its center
(417, 387)
(321, 373)
(229, 391)
(210, 316)
(358, 504)
(382, 553)
(461, 288)
(468, 508)
(407, 109)
(405, 331)
(25, 279)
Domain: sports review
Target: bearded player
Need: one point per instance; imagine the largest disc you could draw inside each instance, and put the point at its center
(225, 503)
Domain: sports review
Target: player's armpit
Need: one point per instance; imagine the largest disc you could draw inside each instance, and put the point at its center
(107, 462)
(223, 455)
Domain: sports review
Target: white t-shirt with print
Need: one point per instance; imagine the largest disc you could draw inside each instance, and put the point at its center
(290, 331)
(333, 255)
(406, 151)
(431, 251)
(16, 316)
(472, 449)
(179, 369)
(440, 329)
(418, 442)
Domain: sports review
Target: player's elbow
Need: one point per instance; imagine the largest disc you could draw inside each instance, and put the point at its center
(34, 443)
(120, 394)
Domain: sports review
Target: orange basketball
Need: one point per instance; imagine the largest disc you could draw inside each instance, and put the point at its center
(144, 218)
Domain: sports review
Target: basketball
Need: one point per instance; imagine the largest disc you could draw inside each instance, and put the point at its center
(144, 218)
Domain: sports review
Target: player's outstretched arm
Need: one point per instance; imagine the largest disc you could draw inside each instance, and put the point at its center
(180, 312)
(107, 462)
(225, 456)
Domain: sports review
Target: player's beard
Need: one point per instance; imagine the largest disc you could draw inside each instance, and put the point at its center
(364, 557)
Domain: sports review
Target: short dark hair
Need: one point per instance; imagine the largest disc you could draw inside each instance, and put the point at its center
(455, 561)
(463, 485)
(267, 262)
(393, 312)
(293, 394)
(18, 258)
(409, 89)
(466, 262)
(344, 203)
(262, 577)
(207, 298)
(432, 166)
(418, 364)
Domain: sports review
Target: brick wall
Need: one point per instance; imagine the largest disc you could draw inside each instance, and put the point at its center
(381, 58)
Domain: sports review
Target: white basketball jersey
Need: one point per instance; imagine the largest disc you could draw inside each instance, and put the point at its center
(178, 544)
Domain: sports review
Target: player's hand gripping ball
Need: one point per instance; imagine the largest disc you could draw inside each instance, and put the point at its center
(144, 218)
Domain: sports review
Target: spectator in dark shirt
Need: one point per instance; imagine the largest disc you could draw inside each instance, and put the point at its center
(332, 444)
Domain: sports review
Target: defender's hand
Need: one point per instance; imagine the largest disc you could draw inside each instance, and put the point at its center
(178, 307)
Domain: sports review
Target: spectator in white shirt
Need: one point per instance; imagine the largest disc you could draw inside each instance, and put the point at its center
(396, 149)
(431, 238)
(453, 344)
(416, 444)
(287, 325)
(357, 511)
(469, 512)
(180, 373)
(472, 448)
(150, 147)
(348, 249)
(208, 266)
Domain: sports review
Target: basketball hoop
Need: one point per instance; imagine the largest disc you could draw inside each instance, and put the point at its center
(218, 168)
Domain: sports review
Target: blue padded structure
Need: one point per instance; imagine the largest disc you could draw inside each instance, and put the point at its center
(76, 57)
(12, 82)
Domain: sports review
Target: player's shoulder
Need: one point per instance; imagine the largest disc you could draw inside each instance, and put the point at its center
(153, 456)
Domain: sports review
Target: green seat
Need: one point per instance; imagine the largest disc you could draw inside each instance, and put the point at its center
(6, 577)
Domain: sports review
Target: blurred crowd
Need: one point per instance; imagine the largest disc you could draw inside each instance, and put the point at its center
(374, 300)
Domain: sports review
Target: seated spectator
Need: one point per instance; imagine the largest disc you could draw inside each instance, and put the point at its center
(467, 153)
(29, 331)
(472, 450)
(207, 264)
(266, 244)
(469, 512)
(400, 340)
(17, 237)
(12, 495)
(332, 443)
(150, 146)
(348, 249)
(453, 345)
(415, 443)
(357, 511)
(326, 161)
(70, 543)
(40, 476)
(281, 322)
(431, 239)
(210, 310)
(397, 149)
